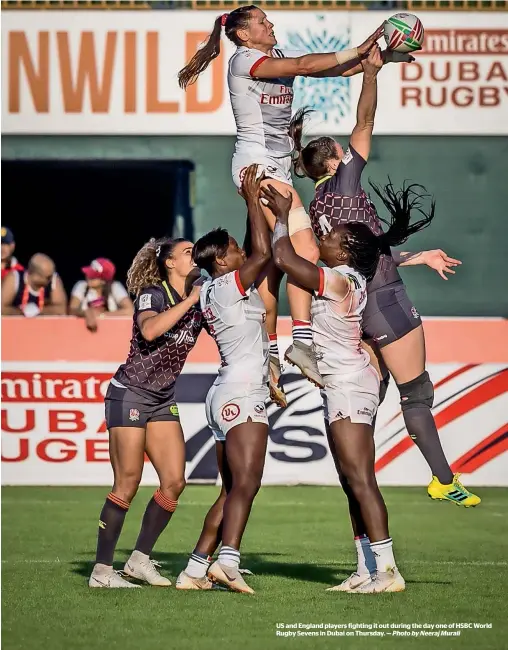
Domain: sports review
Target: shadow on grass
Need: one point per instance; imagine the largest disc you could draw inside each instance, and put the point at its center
(260, 565)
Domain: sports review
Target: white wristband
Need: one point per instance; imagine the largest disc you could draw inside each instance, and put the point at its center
(280, 230)
(346, 55)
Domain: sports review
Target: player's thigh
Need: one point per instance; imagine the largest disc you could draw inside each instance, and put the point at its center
(283, 188)
(245, 451)
(376, 359)
(126, 451)
(304, 243)
(354, 447)
(405, 357)
(165, 447)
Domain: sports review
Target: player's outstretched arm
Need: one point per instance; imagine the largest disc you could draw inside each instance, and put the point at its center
(259, 235)
(304, 272)
(435, 259)
(361, 137)
(310, 64)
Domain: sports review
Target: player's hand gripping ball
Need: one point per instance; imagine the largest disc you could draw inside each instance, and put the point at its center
(404, 33)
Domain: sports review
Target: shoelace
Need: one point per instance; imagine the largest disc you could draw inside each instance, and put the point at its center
(459, 485)
(153, 566)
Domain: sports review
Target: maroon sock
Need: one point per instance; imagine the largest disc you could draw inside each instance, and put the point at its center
(110, 526)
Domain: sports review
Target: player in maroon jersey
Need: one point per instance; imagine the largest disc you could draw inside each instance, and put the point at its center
(141, 412)
(391, 323)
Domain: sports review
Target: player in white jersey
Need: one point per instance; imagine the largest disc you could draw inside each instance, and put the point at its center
(260, 80)
(235, 405)
(351, 384)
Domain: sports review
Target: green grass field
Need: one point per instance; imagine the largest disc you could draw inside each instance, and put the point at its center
(298, 542)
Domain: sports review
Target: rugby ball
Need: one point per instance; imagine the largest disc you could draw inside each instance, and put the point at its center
(404, 33)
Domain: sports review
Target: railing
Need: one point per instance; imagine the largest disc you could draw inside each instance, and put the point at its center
(229, 5)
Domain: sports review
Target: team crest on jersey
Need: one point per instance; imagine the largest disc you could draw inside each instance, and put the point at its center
(133, 415)
(230, 412)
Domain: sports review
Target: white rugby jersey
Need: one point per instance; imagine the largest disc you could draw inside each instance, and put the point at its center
(336, 322)
(236, 320)
(262, 107)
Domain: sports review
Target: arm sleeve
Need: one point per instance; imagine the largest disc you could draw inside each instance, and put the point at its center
(79, 290)
(245, 62)
(150, 299)
(229, 290)
(347, 178)
(119, 292)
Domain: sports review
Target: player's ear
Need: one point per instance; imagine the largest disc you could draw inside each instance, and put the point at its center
(169, 264)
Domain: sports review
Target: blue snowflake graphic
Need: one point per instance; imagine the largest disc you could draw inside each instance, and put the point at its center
(330, 96)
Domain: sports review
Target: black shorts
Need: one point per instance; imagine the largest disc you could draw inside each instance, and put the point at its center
(124, 408)
(389, 315)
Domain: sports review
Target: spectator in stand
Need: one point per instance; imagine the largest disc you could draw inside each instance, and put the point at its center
(99, 294)
(9, 262)
(38, 291)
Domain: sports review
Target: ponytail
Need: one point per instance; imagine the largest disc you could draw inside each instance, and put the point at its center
(401, 204)
(149, 266)
(365, 248)
(296, 134)
(203, 57)
(237, 19)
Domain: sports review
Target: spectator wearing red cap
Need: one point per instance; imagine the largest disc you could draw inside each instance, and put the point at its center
(9, 262)
(99, 294)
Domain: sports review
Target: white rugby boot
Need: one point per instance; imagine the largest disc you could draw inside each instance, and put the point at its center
(141, 567)
(305, 359)
(229, 577)
(185, 582)
(352, 582)
(383, 582)
(104, 576)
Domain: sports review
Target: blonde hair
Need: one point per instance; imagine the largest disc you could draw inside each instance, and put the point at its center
(148, 268)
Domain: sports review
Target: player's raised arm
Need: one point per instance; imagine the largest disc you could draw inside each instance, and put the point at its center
(304, 272)
(259, 235)
(362, 133)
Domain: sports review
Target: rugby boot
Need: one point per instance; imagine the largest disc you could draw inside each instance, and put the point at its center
(351, 583)
(382, 582)
(141, 567)
(229, 577)
(106, 577)
(304, 357)
(188, 583)
(454, 492)
(277, 394)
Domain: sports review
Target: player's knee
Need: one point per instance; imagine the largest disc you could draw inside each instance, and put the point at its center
(383, 387)
(360, 479)
(126, 485)
(248, 486)
(173, 488)
(417, 393)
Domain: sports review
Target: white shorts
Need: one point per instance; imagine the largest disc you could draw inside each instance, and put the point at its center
(228, 405)
(277, 168)
(354, 396)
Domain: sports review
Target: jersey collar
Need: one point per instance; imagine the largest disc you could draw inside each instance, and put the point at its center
(321, 181)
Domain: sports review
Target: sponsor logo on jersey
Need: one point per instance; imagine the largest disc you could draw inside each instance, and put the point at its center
(415, 313)
(133, 415)
(259, 408)
(348, 157)
(145, 301)
(173, 409)
(181, 337)
(230, 412)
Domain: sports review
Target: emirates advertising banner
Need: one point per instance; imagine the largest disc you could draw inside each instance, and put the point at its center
(53, 429)
(116, 73)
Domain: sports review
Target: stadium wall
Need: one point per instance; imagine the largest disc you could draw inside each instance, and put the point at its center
(53, 430)
(460, 171)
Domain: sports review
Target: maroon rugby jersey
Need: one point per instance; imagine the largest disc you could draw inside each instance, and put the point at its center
(342, 199)
(152, 367)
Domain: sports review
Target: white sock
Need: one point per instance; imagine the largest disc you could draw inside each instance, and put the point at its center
(302, 331)
(197, 566)
(366, 559)
(229, 556)
(383, 552)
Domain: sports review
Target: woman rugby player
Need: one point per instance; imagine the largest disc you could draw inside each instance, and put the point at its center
(390, 321)
(260, 81)
(141, 412)
(235, 404)
(351, 384)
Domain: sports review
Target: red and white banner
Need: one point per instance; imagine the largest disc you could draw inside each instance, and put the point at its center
(116, 73)
(53, 430)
